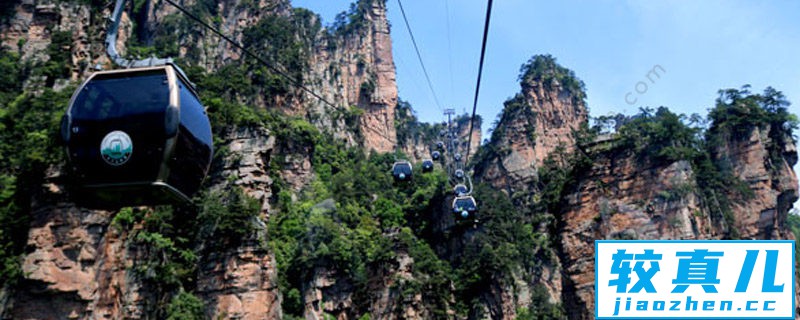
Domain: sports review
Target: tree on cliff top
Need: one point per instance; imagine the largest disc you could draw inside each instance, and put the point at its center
(544, 69)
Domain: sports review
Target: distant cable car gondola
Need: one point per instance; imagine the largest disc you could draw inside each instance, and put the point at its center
(464, 207)
(401, 171)
(460, 174)
(137, 137)
(440, 145)
(436, 155)
(427, 165)
(457, 157)
(460, 189)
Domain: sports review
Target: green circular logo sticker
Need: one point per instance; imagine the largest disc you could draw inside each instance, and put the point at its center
(116, 148)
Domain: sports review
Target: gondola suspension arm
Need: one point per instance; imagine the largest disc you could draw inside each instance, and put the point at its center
(111, 43)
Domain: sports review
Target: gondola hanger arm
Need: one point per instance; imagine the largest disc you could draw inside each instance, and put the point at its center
(111, 43)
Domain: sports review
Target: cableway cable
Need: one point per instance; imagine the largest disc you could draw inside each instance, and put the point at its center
(449, 48)
(480, 71)
(419, 56)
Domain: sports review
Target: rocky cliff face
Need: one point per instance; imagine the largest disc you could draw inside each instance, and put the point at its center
(79, 265)
(540, 122)
(357, 70)
(772, 181)
(242, 283)
(351, 68)
(544, 116)
(76, 266)
(620, 197)
(31, 28)
(330, 294)
(617, 193)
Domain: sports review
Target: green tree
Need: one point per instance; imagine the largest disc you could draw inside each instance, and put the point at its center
(185, 306)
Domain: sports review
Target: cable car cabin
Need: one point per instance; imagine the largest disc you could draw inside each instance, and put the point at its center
(460, 174)
(460, 189)
(464, 207)
(401, 171)
(427, 165)
(136, 137)
(457, 157)
(440, 145)
(436, 155)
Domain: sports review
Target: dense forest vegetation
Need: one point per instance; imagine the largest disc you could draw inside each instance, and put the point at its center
(28, 144)
(352, 220)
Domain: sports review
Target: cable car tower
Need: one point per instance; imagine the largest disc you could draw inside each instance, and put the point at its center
(137, 135)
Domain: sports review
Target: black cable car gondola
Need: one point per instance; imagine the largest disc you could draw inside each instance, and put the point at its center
(457, 157)
(464, 207)
(440, 145)
(460, 189)
(436, 155)
(401, 171)
(427, 165)
(137, 137)
(460, 174)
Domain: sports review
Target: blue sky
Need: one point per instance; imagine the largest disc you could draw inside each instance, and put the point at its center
(702, 46)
